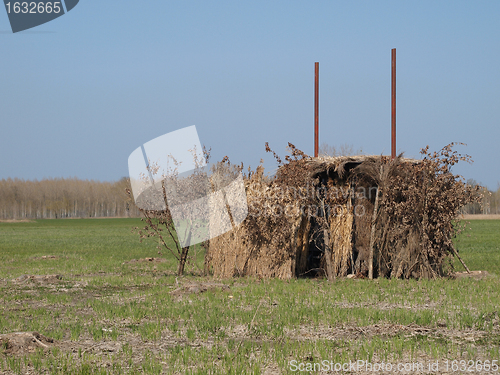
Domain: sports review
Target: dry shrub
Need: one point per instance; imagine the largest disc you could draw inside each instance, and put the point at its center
(420, 202)
(159, 223)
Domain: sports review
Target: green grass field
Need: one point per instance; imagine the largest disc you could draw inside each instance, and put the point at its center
(108, 314)
(480, 246)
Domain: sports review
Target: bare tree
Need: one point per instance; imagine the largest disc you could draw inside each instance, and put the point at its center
(343, 150)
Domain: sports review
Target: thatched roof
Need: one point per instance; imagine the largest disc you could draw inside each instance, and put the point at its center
(341, 164)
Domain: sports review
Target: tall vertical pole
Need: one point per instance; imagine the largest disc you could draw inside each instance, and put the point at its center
(393, 105)
(316, 109)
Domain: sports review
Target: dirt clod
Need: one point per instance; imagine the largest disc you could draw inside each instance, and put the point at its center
(22, 342)
(478, 275)
(198, 288)
(40, 279)
(143, 260)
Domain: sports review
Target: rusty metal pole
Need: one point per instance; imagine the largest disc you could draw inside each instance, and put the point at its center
(316, 109)
(393, 104)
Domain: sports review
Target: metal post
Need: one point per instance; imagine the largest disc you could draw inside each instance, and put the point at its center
(316, 109)
(393, 105)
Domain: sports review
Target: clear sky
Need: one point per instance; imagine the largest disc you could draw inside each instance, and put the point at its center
(80, 93)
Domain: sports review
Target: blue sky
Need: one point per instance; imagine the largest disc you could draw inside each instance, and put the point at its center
(80, 93)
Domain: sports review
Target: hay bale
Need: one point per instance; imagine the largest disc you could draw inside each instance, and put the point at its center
(232, 255)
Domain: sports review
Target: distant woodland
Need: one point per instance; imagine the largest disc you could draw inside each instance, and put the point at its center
(67, 198)
(490, 202)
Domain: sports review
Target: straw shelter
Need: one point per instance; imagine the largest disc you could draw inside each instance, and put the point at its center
(335, 216)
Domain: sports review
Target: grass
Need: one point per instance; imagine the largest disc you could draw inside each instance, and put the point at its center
(111, 316)
(479, 246)
(81, 246)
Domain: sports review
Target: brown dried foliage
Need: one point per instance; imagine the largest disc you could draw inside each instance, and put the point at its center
(419, 203)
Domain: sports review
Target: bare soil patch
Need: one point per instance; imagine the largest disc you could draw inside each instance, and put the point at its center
(146, 260)
(477, 275)
(353, 332)
(45, 257)
(20, 343)
(481, 217)
(40, 279)
(24, 342)
(198, 288)
(16, 221)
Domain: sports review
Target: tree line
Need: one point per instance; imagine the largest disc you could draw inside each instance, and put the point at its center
(490, 202)
(65, 198)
